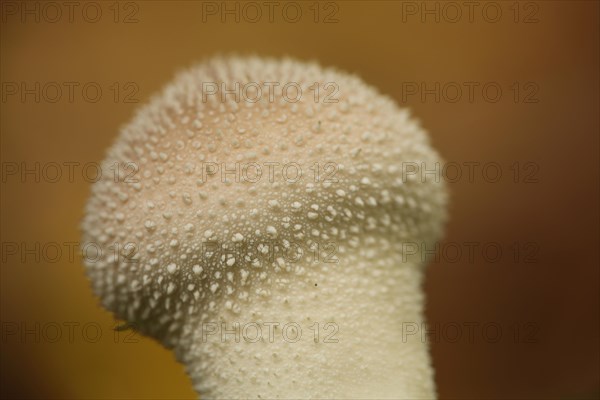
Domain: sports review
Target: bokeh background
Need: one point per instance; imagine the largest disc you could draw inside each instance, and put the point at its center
(544, 297)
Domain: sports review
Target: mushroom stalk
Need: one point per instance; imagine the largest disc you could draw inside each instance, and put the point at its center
(264, 234)
(344, 338)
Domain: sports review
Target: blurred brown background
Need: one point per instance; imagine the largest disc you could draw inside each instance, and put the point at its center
(542, 293)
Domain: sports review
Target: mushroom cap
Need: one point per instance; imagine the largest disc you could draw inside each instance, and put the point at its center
(338, 164)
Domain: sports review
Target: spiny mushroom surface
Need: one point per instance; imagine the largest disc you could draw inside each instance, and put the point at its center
(312, 268)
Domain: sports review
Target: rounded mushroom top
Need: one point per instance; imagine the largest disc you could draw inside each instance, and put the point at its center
(238, 172)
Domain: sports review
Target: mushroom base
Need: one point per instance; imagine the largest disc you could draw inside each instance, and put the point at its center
(344, 332)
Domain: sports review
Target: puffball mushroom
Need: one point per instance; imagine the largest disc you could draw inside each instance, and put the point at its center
(269, 281)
